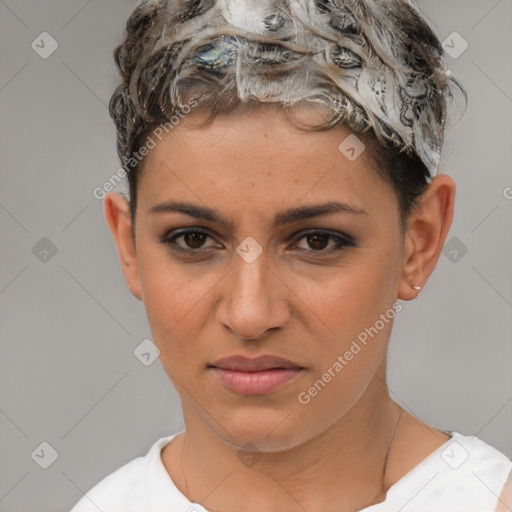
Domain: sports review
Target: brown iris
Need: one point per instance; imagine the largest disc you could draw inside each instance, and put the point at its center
(194, 240)
(318, 241)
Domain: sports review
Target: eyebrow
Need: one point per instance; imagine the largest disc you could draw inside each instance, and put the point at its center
(281, 218)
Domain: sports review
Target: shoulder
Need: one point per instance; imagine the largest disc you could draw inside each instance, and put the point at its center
(465, 474)
(470, 467)
(469, 454)
(505, 500)
(130, 486)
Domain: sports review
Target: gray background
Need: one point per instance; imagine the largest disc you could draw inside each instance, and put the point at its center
(69, 325)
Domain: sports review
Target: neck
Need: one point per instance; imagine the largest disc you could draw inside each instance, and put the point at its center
(341, 468)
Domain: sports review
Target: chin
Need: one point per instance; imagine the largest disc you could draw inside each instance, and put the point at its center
(267, 430)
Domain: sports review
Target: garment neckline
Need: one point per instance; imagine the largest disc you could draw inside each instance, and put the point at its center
(394, 490)
(391, 493)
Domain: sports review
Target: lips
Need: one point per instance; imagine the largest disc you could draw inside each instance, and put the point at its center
(255, 376)
(257, 364)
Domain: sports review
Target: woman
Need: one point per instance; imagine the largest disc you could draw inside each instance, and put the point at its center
(282, 161)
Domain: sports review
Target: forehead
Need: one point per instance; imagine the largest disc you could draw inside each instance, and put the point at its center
(259, 155)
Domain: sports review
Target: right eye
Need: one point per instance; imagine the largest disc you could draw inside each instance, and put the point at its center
(187, 241)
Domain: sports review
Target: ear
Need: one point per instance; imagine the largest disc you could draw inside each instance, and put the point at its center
(425, 235)
(117, 214)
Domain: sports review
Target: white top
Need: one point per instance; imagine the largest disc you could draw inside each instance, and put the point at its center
(465, 474)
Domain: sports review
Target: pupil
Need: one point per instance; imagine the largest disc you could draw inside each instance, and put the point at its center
(317, 241)
(194, 240)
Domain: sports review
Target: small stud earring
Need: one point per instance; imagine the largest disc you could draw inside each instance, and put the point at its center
(417, 288)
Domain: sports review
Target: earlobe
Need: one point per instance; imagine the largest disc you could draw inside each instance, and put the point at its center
(425, 235)
(117, 215)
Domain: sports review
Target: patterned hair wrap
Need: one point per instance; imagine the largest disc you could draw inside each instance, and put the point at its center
(375, 63)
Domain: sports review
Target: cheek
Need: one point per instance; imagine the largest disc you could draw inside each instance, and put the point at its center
(356, 314)
(345, 318)
(176, 305)
(350, 298)
(353, 311)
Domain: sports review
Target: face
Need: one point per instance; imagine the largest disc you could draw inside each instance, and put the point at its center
(258, 260)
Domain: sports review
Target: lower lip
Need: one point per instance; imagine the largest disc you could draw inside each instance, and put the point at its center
(256, 383)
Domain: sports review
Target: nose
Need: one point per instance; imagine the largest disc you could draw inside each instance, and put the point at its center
(253, 300)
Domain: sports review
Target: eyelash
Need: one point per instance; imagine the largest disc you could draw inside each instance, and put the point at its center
(343, 242)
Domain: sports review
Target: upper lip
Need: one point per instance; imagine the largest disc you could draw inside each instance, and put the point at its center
(247, 364)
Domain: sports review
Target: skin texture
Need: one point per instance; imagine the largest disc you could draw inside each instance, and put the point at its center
(505, 499)
(293, 301)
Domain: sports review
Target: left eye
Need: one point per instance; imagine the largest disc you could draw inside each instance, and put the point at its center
(318, 241)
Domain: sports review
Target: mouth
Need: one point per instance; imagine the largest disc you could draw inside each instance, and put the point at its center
(257, 376)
